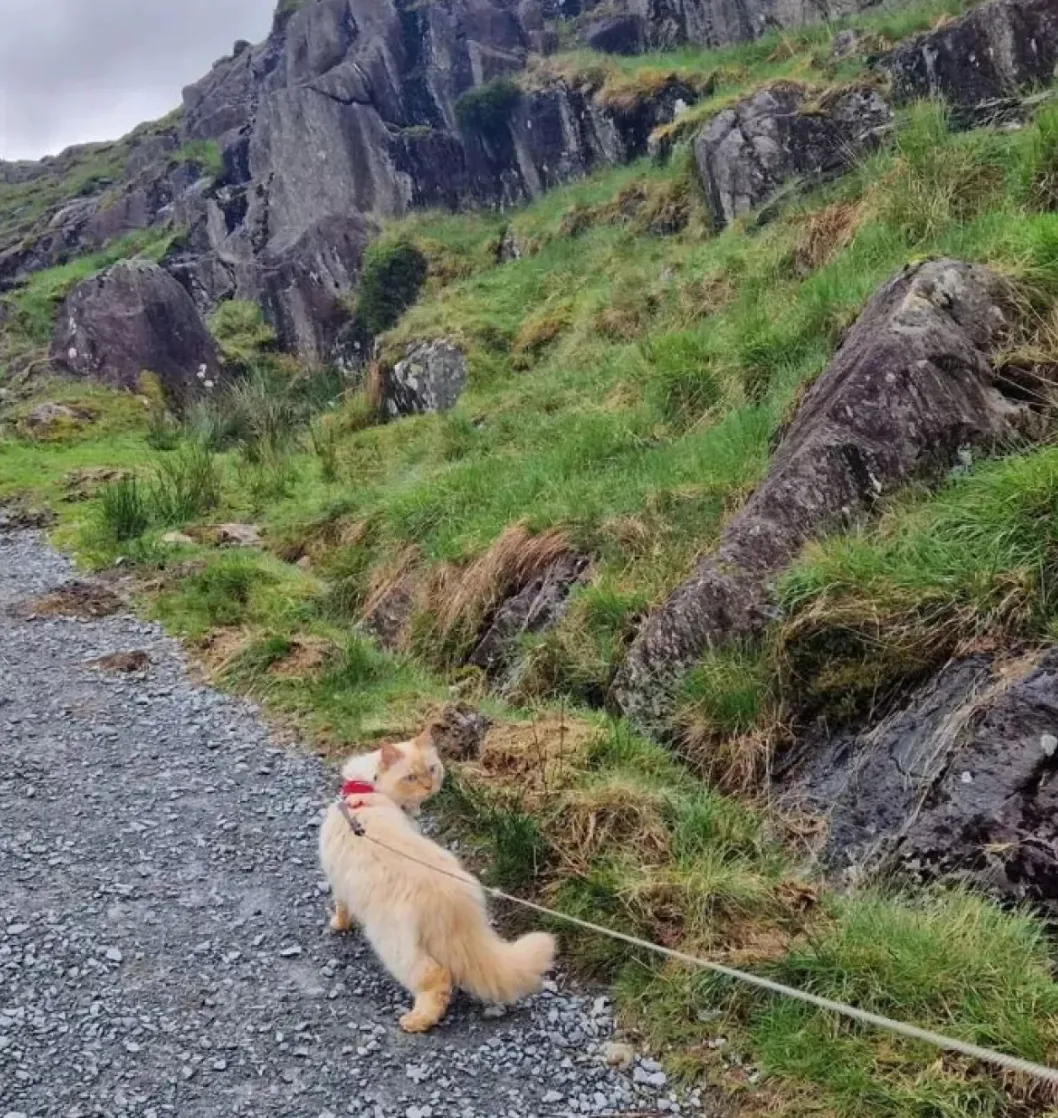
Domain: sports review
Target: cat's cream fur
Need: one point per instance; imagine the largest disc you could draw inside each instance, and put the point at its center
(430, 930)
(409, 772)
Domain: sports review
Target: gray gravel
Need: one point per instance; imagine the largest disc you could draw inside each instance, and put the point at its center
(162, 944)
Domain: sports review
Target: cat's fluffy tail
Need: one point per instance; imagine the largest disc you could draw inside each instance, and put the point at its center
(497, 971)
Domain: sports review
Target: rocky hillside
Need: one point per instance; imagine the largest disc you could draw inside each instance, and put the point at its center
(659, 397)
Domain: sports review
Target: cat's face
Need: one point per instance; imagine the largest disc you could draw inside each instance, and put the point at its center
(411, 772)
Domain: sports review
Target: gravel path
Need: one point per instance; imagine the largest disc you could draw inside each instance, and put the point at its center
(161, 915)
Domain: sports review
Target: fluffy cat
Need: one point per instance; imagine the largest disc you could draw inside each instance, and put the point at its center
(409, 772)
(431, 931)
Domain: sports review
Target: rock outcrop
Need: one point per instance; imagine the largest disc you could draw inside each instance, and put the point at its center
(134, 318)
(911, 385)
(780, 135)
(430, 378)
(353, 110)
(961, 782)
(979, 60)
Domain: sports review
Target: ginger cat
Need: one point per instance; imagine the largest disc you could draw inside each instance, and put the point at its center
(409, 772)
(431, 931)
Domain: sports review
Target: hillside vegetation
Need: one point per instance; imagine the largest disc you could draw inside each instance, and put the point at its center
(628, 375)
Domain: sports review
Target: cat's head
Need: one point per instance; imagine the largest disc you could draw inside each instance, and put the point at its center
(410, 772)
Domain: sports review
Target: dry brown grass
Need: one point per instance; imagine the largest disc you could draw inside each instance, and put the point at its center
(219, 649)
(617, 813)
(539, 330)
(307, 656)
(823, 234)
(740, 763)
(536, 758)
(516, 558)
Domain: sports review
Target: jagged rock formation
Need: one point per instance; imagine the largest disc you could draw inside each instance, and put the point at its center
(960, 781)
(910, 386)
(289, 151)
(781, 134)
(131, 319)
(981, 59)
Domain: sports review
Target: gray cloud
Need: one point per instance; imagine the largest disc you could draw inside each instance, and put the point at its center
(79, 70)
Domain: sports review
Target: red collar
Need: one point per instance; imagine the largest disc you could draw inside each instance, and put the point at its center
(357, 788)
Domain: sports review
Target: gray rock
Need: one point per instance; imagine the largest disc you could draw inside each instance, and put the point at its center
(774, 137)
(910, 386)
(430, 378)
(976, 63)
(621, 34)
(134, 318)
(952, 783)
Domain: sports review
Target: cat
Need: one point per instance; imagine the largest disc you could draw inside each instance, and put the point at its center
(431, 931)
(411, 771)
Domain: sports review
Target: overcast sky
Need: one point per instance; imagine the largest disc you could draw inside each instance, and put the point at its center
(78, 70)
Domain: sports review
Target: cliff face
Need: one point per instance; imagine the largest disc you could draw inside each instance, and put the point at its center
(288, 152)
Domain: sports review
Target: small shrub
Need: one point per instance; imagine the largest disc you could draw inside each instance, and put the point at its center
(486, 110)
(241, 332)
(185, 485)
(392, 277)
(1039, 166)
(222, 591)
(204, 153)
(123, 510)
(324, 438)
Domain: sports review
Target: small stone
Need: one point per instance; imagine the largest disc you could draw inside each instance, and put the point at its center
(114, 955)
(967, 778)
(1049, 744)
(617, 1054)
(291, 952)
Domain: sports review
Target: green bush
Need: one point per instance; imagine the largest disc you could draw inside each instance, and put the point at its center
(392, 278)
(123, 510)
(186, 484)
(241, 332)
(486, 110)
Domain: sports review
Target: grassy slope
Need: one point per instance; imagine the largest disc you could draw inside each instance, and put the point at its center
(624, 388)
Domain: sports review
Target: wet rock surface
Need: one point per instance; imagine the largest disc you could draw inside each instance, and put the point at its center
(960, 781)
(162, 944)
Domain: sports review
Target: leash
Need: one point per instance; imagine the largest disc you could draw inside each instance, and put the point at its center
(912, 1032)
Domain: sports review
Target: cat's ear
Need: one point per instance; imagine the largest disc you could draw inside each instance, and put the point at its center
(391, 755)
(425, 740)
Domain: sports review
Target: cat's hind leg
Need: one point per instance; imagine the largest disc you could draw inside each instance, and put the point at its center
(432, 986)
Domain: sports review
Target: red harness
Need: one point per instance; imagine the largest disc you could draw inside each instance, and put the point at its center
(356, 788)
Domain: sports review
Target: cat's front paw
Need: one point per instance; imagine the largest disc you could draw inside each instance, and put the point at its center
(415, 1022)
(340, 921)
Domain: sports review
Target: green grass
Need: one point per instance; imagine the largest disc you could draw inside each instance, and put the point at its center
(868, 611)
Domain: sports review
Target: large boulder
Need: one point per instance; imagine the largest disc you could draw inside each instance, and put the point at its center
(910, 387)
(430, 378)
(980, 59)
(958, 782)
(782, 134)
(134, 318)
